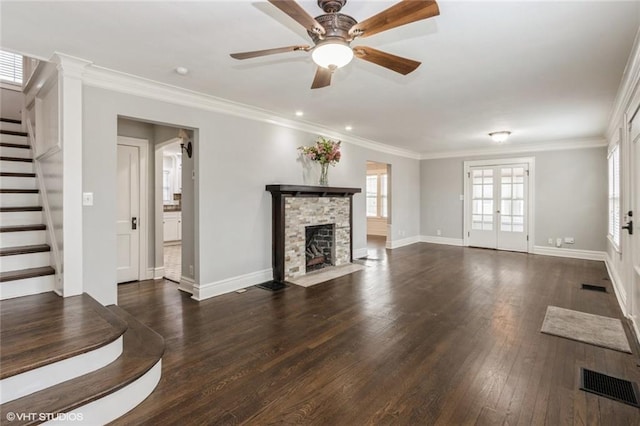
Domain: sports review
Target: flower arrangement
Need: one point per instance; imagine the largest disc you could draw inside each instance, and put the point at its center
(326, 152)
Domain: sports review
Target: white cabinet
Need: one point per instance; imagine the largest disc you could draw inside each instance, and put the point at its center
(172, 226)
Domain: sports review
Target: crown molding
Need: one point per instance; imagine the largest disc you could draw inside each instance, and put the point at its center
(511, 149)
(630, 80)
(133, 85)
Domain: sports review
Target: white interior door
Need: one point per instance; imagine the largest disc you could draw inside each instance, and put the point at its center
(631, 218)
(498, 212)
(128, 234)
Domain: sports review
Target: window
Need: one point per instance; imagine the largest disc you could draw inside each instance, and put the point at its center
(372, 195)
(377, 195)
(10, 67)
(167, 194)
(614, 195)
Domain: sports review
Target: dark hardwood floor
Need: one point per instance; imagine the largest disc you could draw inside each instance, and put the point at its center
(427, 334)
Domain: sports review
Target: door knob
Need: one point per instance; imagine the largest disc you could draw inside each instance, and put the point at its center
(134, 223)
(629, 227)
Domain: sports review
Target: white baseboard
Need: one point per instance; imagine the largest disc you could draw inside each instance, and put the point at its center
(403, 242)
(618, 287)
(441, 240)
(205, 291)
(572, 253)
(186, 284)
(158, 273)
(358, 253)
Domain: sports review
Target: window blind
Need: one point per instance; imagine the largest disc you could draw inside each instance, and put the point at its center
(10, 67)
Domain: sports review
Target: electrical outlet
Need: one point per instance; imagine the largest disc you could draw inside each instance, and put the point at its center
(558, 242)
(461, 197)
(550, 241)
(439, 232)
(191, 270)
(569, 240)
(87, 198)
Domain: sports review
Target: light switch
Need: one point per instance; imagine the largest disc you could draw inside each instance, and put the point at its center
(87, 198)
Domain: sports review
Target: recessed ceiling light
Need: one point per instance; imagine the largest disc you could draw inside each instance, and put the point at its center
(182, 70)
(500, 136)
(349, 128)
(299, 113)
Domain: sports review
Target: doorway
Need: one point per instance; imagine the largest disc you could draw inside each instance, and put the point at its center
(378, 205)
(172, 209)
(498, 204)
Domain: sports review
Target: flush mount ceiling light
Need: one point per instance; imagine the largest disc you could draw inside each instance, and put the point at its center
(182, 70)
(299, 113)
(332, 54)
(348, 128)
(500, 136)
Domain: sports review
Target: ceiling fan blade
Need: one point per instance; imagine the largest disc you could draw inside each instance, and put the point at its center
(395, 63)
(322, 78)
(256, 53)
(294, 10)
(405, 12)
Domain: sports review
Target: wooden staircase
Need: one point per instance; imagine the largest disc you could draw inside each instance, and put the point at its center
(25, 260)
(73, 359)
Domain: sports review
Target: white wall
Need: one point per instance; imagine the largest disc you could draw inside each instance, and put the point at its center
(234, 158)
(11, 103)
(570, 196)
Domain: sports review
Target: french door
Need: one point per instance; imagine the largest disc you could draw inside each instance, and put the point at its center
(632, 233)
(497, 215)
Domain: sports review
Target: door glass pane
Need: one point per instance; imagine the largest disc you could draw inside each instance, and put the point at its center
(518, 191)
(477, 207)
(482, 199)
(505, 207)
(506, 190)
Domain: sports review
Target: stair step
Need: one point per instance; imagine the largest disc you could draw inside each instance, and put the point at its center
(25, 160)
(22, 228)
(15, 150)
(14, 145)
(7, 125)
(14, 137)
(10, 120)
(21, 209)
(23, 235)
(24, 257)
(143, 349)
(18, 182)
(14, 251)
(17, 198)
(20, 217)
(16, 165)
(36, 330)
(19, 191)
(12, 132)
(27, 286)
(23, 274)
(22, 175)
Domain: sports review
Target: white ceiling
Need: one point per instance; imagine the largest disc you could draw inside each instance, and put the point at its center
(547, 71)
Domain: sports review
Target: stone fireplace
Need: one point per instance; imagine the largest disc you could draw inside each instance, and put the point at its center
(298, 212)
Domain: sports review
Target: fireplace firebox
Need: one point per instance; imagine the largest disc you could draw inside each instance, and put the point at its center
(319, 246)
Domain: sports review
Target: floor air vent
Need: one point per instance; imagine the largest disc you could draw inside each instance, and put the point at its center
(609, 387)
(594, 287)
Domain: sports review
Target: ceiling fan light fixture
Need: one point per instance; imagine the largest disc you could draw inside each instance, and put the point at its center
(332, 53)
(500, 136)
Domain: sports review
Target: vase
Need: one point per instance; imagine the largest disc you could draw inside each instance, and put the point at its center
(324, 174)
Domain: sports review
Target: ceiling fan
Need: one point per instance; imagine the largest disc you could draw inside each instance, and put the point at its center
(333, 32)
